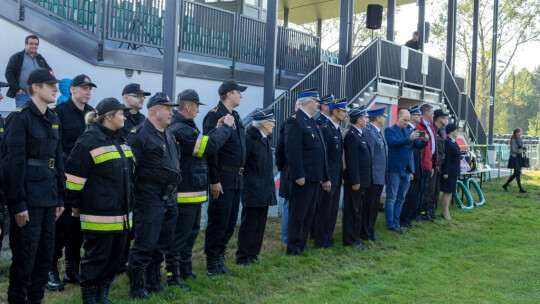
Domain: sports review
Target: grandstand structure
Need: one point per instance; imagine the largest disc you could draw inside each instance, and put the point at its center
(123, 41)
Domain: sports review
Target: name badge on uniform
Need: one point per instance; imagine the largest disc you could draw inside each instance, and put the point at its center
(55, 127)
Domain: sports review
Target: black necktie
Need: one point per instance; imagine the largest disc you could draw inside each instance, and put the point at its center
(403, 131)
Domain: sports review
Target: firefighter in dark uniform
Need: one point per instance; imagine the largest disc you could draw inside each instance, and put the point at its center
(379, 160)
(225, 171)
(3, 213)
(133, 97)
(98, 173)
(306, 155)
(193, 189)
(327, 209)
(324, 114)
(259, 187)
(35, 187)
(68, 229)
(357, 177)
(156, 178)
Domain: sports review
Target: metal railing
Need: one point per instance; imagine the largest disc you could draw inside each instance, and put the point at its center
(205, 30)
(451, 91)
(85, 14)
(361, 71)
(435, 74)
(389, 62)
(413, 75)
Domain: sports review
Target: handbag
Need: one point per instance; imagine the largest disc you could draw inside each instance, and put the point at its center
(525, 163)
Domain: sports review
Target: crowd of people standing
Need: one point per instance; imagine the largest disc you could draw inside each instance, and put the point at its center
(128, 189)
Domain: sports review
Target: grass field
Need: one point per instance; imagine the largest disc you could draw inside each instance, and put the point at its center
(487, 255)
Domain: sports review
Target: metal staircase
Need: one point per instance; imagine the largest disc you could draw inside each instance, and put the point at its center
(377, 66)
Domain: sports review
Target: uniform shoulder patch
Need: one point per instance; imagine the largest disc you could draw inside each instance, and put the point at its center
(17, 110)
(214, 109)
(55, 127)
(294, 116)
(133, 130)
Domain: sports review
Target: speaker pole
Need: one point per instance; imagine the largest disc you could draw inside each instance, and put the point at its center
(421, 22)
(345, 30)
(391, 12)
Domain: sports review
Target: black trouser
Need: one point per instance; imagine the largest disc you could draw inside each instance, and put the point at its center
(103, 254)
(187, 228)
(251, 233)
(370, 210)
(352, 214)
(428, 203)
(302, 205)
(154, 231)
(68, 234)
(326, 216)
(130, 237)
(437, 188)
(222, 217)
(410, 206)
(517, 175)
(32, 251)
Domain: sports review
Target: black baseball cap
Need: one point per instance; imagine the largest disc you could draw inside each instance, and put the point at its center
(42, 75)
(190, 95)
(416, 33)
(451, 128)
(134, 88)
(438, 113)
(109, 104)
(160, 99)
(82, 80)
(228, 86)
(4, 84)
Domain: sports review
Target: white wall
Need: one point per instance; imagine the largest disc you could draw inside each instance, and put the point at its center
(111, 81)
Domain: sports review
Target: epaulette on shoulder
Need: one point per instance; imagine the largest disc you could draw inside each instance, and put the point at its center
(133, 130)
(214, 109)
(17, 110)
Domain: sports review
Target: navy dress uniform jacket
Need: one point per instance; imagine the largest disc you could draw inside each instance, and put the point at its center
(232, 153)
(321, 120)
(357, 159)
(452, 158)
(29, 134)
(378, 149)
(285, 184)
(305, 150)
(259, 187)
(333, 141)
(72, 123)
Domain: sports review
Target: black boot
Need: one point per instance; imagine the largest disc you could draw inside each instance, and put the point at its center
(88, 293)
(153, 279)
(432, 215)
(221, 263)
(103, 292)
(186, 271)
(137, 283)
(72, 273)
(53, 282)
(212, 266)
(173, 276)
(425, 216)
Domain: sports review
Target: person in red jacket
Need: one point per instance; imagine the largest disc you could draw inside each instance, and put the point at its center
(430, 162)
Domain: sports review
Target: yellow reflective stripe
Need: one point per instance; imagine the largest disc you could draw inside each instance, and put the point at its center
(102, 150)
(192, 197)
(203, 146)
(104, 227)
(73, 186)
(105, 157)
(128, 153)
(197, 145)
(105, 219)
(127, 150)
(75, 183)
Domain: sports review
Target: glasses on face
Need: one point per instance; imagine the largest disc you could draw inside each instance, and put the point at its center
(137, 96)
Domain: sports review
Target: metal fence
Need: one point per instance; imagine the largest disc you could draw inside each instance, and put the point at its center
(86, 14)
(205, 30)
(413, 75)
(361, 71)
(451, 91)
(390, 59)
(434, 77)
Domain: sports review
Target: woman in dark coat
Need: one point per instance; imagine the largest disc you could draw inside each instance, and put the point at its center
(516, 150)
(259, 189)
(450, 168)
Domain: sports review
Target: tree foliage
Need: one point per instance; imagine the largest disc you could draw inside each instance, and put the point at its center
(519, 24)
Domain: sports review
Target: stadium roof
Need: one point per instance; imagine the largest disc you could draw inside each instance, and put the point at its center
(306, 11)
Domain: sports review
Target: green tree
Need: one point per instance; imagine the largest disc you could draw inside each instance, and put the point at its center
(519, 24)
